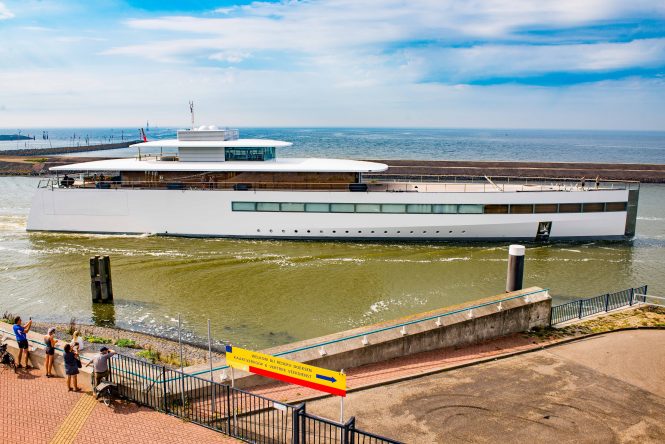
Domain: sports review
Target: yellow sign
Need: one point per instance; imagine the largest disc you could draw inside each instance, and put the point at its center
(286, 370)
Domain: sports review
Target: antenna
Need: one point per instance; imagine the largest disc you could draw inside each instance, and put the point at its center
(191, 110)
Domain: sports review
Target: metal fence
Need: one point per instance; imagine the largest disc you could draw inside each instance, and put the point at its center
(234, 412)
(582, 308)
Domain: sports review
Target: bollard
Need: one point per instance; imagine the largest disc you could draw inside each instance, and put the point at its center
(100, 279)
(515, 268)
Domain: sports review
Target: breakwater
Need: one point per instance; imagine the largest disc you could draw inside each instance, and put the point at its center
(651, 173)
(68, 149)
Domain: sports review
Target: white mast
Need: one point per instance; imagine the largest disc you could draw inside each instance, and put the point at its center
(191, 110)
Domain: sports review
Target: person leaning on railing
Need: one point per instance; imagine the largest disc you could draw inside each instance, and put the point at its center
(100, 365)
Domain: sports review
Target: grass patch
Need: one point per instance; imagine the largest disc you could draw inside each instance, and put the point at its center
(155, 357)
(37, 160)
(640, 317)
(8, 317)
(149, 355)
(127, 343)
(98, 340)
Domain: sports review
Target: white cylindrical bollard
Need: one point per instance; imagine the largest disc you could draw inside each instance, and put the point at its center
(515, 267)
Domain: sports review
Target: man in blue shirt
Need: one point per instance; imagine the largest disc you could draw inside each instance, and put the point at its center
(21, 333)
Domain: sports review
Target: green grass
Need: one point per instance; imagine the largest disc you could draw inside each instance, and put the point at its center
(150, 355)
(127, 343)
(155, 357)
(98, 340)
(37, 160)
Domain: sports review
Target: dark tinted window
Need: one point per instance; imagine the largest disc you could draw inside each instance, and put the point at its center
(594, 207)
(546, 208)
(570, 208)
(615, 206)
(521, 209)
(496, 209)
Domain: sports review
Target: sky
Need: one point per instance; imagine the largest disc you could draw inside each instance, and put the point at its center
(569, 64)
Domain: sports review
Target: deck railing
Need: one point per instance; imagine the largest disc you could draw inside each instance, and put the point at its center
(395, 184)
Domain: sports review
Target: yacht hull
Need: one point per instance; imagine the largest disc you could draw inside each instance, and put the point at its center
(209, 213)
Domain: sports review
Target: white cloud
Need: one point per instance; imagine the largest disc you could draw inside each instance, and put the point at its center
(229, 56)
(489, 61)
(4, 12)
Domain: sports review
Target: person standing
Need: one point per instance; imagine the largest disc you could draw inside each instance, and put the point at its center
(50, 342)
(72, 364)
(77, 342)
(100, 365)
(21, 333)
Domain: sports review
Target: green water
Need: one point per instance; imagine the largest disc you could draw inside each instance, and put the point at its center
(263, 293)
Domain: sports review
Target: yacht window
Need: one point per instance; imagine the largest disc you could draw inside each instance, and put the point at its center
(496, 209)
(292, 207)
(595, 207)
(470, 209)
(418, 208)
(267, 206)
(570, 208)
(252, 154)
(342, 208)
(521, 209)
(546, 208)
(317, 207)
(243, 206)
(368, 208)
(615, 206)
(393, 208)
(444, 209)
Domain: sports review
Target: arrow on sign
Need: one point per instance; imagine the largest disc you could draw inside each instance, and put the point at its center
(326, 378)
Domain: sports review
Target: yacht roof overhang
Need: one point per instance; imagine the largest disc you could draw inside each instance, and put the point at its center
(283, 165)
(238, 143)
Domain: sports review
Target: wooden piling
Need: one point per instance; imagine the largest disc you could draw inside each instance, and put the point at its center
(100, 279)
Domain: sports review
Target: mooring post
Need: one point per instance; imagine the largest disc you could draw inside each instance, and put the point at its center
(95, 289)
(105, 278)
(515, 268)
(100, 279)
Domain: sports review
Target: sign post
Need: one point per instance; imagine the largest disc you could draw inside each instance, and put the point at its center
(286, 370)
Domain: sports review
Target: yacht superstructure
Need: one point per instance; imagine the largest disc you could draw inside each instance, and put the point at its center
(221, 185)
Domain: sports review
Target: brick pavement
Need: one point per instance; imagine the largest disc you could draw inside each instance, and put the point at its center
(34, 409)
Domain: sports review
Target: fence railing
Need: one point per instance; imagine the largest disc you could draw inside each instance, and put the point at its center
(234, 412)
(582, 308)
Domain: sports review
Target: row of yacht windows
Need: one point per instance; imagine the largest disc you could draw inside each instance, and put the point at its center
(594, 207)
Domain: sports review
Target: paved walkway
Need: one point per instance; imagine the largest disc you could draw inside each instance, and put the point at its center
(34, 409)
(603, 389)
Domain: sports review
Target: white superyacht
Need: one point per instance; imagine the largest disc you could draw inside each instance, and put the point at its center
(221, 185)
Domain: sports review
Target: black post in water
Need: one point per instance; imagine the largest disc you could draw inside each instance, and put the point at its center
(100, 279)
(515, 268)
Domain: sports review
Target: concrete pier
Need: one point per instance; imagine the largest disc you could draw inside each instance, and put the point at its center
(457, 326)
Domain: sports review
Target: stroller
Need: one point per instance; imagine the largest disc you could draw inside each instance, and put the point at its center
(6, 358)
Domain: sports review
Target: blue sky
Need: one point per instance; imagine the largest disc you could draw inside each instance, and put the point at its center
(597, 64)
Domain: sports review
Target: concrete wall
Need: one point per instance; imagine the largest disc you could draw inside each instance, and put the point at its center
(456, 330)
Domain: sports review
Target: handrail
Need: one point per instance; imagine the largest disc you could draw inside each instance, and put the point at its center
(373, 185)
